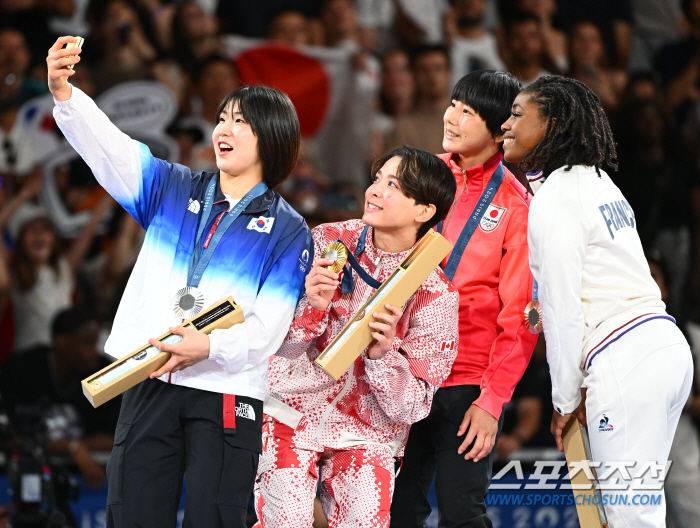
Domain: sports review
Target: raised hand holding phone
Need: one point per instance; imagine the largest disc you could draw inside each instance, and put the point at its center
(60, 61)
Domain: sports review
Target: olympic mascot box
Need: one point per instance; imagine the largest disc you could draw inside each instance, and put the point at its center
(126, 372)
(356, 336)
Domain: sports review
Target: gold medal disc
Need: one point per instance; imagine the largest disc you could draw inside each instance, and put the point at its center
(338, 253)
(533, 317)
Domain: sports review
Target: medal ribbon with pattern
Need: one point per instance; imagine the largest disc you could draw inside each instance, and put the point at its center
(189, 301)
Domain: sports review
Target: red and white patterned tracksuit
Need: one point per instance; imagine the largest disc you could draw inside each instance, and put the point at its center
(347, 432)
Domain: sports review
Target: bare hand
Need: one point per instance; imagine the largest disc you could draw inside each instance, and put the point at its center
(92, 472)
(557, 427)
(193, 348)
(506, 445)
(384, 331)
(483, 429)
(57, 63)
(321, 284)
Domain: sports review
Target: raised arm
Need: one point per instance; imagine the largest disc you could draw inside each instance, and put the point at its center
(123, 166)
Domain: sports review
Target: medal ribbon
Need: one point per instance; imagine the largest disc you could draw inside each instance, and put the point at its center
(348, 285)
(200, 258)
(476, 216)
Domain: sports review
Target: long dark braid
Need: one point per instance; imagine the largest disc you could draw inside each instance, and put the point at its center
(578, 131)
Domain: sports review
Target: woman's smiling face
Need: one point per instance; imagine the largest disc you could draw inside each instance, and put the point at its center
(524, 129)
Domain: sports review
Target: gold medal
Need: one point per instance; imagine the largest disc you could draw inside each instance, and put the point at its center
(337, 252)
(533, 317)
(188, 302)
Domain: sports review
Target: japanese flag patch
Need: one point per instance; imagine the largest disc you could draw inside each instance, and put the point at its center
(491, 217)
(262, 224)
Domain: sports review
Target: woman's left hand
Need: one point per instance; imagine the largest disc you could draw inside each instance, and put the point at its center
(193, 348)
(384, 332)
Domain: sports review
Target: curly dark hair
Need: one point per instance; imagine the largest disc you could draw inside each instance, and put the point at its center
(578, 131)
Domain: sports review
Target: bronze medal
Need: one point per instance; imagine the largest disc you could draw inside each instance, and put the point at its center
(533, 317)
(337, 252)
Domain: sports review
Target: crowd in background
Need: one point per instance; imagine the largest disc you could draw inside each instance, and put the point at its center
(64, 244)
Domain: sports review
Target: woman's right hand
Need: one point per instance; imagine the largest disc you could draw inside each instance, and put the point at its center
(321, 283)
(57, 63)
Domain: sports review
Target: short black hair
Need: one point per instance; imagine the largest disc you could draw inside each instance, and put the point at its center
(274, 121)
(417, 52)
(425, 178)
(491, 95)
(578, 131)
(70, 321)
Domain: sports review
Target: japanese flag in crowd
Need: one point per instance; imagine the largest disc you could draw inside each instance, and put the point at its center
(332, 99)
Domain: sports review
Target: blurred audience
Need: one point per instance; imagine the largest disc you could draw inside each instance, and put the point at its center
(524, 47)
(588, 64)
(555, 39)
(46, 382)
(291, 27)
(656, 23)
(472, 46)
(194, 35)
(125, 51)
(662, 185)
(614, 19)
(422, 127)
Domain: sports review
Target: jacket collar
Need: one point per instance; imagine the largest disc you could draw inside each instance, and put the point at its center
(477, 175)
(373, 253)
(258, 205)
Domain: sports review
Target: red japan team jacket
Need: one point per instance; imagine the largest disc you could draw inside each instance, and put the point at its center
(494, 284)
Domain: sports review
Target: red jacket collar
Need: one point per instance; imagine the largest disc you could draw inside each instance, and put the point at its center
(478, 174)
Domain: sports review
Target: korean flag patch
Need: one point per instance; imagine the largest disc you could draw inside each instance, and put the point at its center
(491, 217)
(262, 224)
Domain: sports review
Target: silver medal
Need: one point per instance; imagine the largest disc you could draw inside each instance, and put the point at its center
(188, 302)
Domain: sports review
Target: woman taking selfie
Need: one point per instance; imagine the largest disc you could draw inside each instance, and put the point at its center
(208, 235)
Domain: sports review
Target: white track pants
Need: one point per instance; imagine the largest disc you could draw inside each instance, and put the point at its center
(637, 388)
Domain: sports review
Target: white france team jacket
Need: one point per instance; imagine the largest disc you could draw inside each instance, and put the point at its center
(594, 281)
(375, 401)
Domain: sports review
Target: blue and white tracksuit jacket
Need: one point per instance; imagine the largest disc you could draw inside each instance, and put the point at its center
(261, 261)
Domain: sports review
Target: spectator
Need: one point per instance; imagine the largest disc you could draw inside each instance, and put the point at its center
(656, 24)
(126, 51)
(252, 19)
(396, 98)
(422, 127)
(679, 63)
(588, 64)
(14, 64)
(524, 47)
(657, 177)
(339, 22)
(195, 35)
(304, 186)
(384, 25)
(290, 27)
(473, 47)
(17, 154)
(43, 276)
(48, 378)
(31, 17)
(556, 49)
(613, 18)
(398, 84)
(214, 77)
